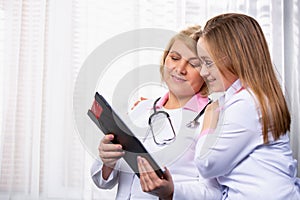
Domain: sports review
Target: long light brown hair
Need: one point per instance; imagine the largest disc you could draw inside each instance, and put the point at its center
(189, 36)
(240, 39)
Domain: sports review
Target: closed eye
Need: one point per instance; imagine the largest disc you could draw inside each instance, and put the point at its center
(205, 60)
(174, 55)
(194, 62)
(208, 63)
(175, 58)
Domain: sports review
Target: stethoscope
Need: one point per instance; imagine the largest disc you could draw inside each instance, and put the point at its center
(192, 124)
(195, 123)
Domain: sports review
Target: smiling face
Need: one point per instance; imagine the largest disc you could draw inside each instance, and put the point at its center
(181, 71)
(217, 77)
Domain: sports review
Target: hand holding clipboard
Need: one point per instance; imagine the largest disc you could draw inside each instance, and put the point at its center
(109, 122)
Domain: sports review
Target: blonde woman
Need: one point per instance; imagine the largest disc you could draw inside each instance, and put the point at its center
(174, 142)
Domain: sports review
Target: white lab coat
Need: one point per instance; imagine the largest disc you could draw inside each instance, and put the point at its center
(177, 156)
(236, 155)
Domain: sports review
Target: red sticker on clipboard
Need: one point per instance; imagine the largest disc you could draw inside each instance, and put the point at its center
(96, 109)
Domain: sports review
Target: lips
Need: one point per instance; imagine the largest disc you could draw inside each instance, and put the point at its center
(177, 78)
(210, 80)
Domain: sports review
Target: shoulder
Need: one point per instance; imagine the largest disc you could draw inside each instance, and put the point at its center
(243, 108)
(140, 113)
(139, 117)
(243, 100)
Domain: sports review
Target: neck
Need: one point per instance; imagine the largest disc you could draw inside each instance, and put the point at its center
(176, 102)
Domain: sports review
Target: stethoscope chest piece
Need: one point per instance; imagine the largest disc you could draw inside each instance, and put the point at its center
(193, 124)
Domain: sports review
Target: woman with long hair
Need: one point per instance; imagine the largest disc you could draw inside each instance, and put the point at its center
(247, 144)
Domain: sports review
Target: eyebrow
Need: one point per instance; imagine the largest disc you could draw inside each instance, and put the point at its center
(174, 52)
(192, 58)
(205, 57)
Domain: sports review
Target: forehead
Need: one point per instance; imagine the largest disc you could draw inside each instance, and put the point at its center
(202, 48)
(180, 47)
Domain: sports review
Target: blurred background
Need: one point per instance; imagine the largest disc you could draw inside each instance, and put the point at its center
(44, 43)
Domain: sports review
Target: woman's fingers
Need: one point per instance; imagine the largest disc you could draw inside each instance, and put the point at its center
(108, 152)
(152, 184)
(167, 175)
(107, 139)
(148, 178)
(144, 179)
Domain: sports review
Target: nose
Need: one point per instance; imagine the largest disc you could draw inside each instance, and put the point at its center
(181, 66)
(204, 72)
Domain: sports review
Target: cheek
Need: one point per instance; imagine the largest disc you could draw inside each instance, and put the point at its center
(169, 63)
(166, 73)
(227, 80)
(201, 82)
(197, 80)
(168, 66)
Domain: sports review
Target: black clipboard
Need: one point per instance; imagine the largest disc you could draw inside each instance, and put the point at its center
(108, 121)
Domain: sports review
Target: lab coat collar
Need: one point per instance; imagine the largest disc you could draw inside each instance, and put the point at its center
(235, 88)
(196, 103)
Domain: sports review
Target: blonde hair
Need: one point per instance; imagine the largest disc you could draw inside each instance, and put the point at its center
(240, 40)
(189, 36)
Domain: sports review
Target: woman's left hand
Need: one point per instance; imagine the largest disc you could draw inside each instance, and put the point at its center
(151, 183)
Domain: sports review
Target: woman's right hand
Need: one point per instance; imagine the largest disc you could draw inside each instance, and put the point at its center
(108, 152)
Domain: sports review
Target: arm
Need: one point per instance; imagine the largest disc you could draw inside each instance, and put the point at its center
(237, 134)
(206, 189)
(96, 174)
(211, 116)
(104, 172)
